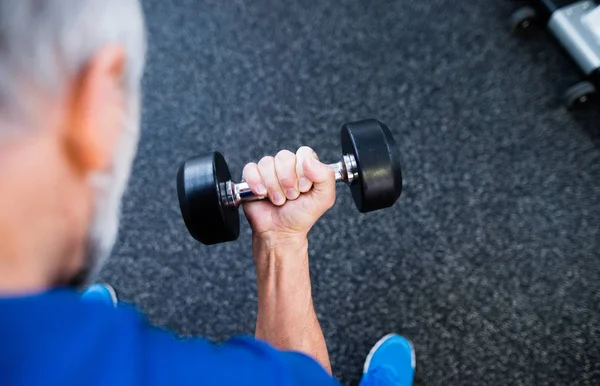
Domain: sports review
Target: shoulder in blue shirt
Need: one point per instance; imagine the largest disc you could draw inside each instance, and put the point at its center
(56, 339)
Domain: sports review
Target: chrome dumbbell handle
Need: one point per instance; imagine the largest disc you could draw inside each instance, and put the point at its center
(232, 194)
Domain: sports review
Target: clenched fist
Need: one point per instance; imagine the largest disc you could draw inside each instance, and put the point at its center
(300, 190)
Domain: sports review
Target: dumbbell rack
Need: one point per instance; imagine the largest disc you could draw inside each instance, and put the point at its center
(576, 26)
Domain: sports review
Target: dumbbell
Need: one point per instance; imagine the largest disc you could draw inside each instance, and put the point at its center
(209, 200)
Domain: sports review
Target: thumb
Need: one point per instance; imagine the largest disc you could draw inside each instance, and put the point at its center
(321, 175)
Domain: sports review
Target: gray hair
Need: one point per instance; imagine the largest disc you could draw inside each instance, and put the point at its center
(44, 44)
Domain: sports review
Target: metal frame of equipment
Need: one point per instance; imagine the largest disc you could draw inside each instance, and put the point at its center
(576, 26)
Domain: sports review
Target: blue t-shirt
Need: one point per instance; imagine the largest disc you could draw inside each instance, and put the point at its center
(56, 339)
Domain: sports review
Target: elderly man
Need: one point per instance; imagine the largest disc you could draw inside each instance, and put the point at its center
(69, 119)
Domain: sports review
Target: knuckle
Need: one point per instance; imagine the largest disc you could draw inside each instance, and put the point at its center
(266, 162)
(305, 150)
(284, 156)
(250, 168)
(246, 170)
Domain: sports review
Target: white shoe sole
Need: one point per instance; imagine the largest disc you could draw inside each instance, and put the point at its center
(113, 294)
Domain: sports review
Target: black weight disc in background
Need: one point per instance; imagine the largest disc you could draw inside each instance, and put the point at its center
(379, 171)
(198, 188)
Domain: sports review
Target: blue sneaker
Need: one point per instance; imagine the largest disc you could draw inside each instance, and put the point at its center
(101, 293)
(391, 361)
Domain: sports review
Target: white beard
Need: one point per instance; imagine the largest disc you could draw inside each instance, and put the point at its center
(109, 188)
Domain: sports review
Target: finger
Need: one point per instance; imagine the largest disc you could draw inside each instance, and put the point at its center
(285, 166)
(252, 177)
(304, 184)
(321, 175)
(266, 167)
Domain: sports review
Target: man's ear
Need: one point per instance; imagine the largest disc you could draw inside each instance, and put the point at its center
(96, 111)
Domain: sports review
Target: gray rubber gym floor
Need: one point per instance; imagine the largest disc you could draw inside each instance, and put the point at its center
(490, 261)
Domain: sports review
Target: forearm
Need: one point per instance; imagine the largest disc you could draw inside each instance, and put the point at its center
(286, 315)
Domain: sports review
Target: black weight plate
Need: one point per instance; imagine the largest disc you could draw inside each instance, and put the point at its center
(198, 188)
(379, 181)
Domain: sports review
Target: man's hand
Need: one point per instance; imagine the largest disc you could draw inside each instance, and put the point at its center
(300, 189)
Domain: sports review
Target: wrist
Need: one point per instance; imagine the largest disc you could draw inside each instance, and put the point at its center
(280, 243)
(277, 256)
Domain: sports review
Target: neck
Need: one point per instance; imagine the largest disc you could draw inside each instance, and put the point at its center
(21, 279)
(38, 212)
(30, 250)
(32, 265)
